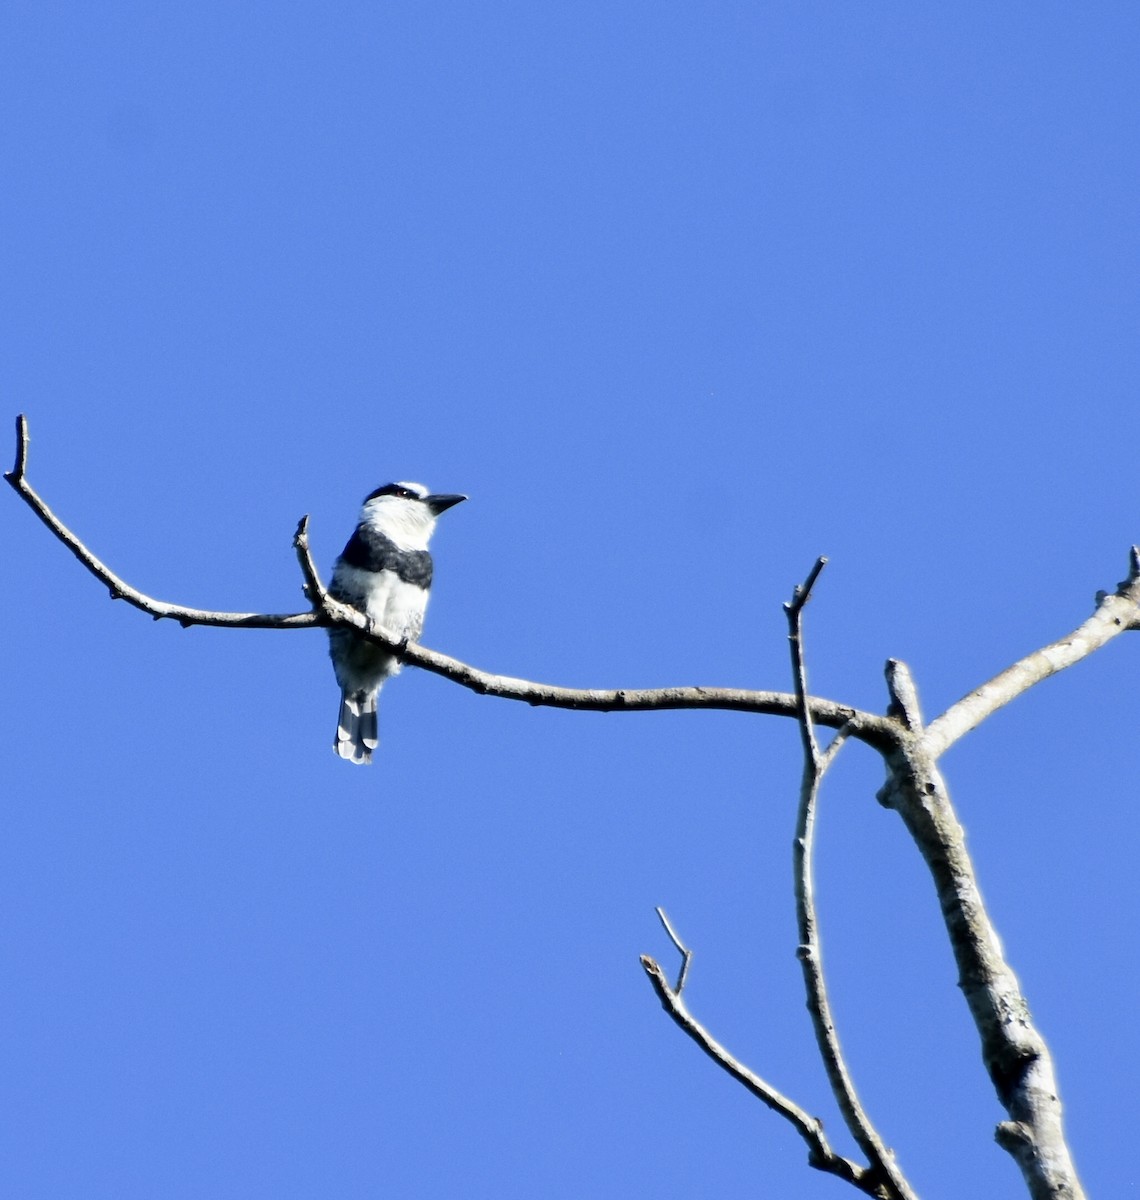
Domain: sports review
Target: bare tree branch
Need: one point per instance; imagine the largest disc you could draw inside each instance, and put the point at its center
(119, 588)
(882, 1178)
(1115, 612)
(871, 728)
(685, 953)
(1013, 1050)
(904, 695)
(313, 588)
(794, 610)
(809, 952)
(1015, 1053)
(17, 471)
(820, 1154)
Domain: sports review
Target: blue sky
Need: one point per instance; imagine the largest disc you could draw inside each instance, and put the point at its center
(682, 296)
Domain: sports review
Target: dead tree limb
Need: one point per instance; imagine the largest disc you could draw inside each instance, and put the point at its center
(1013, 1049)
(868, 727)
(881, 1160)
(1116, 612)
(820, 1153)
(1014, 1052)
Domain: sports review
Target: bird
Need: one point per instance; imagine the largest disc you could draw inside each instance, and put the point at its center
(385, 572)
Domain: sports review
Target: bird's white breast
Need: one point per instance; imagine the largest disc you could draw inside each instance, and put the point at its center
(384, 597)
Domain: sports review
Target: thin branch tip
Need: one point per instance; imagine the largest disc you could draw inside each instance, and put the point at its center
(802, 592)
(16, 475)
(311, 586)
(685, 953)
(652, 968)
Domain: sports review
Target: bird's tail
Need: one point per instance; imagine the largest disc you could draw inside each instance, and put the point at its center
(357, 730)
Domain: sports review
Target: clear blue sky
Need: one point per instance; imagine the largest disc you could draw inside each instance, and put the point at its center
(682, 296)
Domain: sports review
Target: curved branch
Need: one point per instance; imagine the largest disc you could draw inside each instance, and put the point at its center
(810, 953)
(1115, 612)
(878, 731)
(119, 588)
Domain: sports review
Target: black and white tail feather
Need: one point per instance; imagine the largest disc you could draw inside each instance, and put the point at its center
(385, 572)
(358, 728)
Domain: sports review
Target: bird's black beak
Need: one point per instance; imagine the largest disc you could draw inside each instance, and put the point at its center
(442, 503)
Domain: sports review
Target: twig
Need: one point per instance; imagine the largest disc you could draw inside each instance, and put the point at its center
(313, 588)
(836, 744)
(881, 1160)
(794, 610)
(684, 951)
(16, 475)
(871, 728)
(820, 1154)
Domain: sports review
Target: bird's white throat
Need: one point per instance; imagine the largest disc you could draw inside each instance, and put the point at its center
(408, 523)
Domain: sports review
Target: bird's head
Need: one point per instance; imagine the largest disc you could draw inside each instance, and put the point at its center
(406, 512)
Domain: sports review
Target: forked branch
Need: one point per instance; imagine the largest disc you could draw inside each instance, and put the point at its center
(820, 1153)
